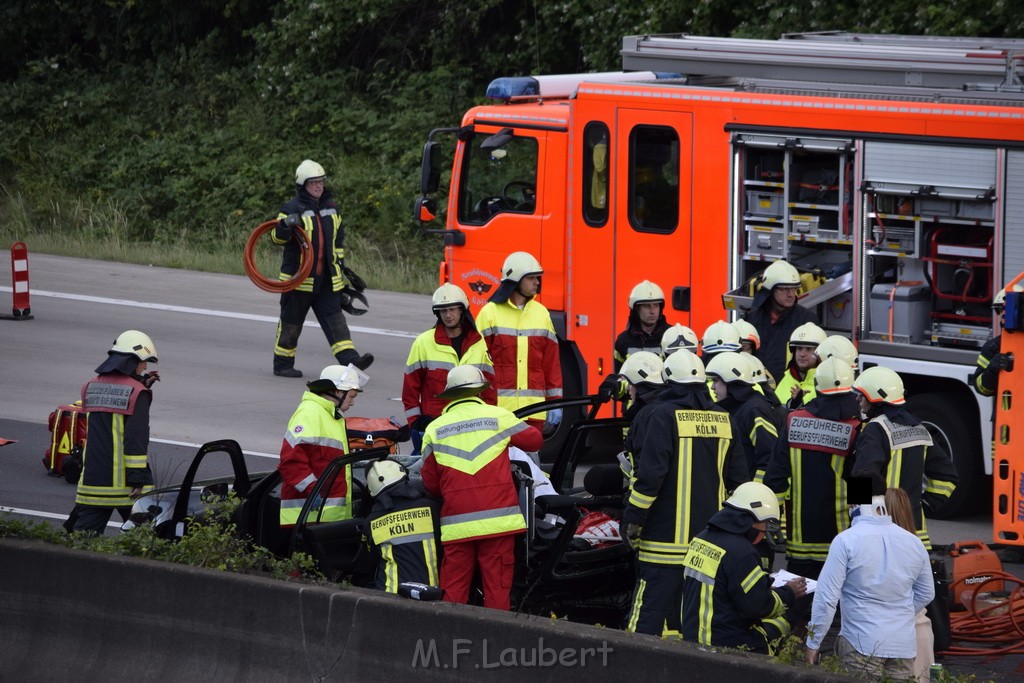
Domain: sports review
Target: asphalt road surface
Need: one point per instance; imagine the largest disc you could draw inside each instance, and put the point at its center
(214, 336)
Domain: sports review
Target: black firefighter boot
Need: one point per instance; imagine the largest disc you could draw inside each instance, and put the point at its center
(285, 367)
(352, 356)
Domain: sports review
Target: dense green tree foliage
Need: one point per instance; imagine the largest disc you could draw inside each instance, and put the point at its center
(180, 122)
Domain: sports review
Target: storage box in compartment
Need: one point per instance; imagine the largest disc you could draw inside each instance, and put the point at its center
(910, 318)
(896, 240)
(969, 209)
(764, 203)
(765, 242)
(813, 226)
(928, 206)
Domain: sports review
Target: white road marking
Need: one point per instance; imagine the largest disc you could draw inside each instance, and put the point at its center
(197, 446)
(202, 311)
(47, 515)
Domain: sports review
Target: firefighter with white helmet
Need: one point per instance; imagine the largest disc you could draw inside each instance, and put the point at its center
(452, 341)
(316, 435)
(521, 339)
(719, 337)
(796, 386)
(775, 314)
(750, 339)
(645, 325)
(812, 452)
(642, 376)
(687, 455)
(728, 599)
(115, 462)
(838, 346)
(734, 380)
(403, 529)
(991, 361)
(679, 337)
(466, 464)
(895, 449)
(325, 290)
(644, 329)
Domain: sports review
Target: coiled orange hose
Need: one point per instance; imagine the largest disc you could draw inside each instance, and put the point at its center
(994, 634)
(277, 286)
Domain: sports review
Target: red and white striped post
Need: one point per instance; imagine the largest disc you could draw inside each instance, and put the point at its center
(21, 310)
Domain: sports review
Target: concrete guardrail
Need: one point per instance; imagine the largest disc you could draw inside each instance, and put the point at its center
(83, 616)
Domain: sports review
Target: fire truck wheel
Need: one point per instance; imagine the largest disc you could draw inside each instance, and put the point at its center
(951, 428)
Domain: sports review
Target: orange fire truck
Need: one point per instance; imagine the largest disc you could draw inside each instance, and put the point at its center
(890, 166)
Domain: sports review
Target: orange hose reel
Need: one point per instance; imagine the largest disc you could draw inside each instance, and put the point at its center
(277, 286)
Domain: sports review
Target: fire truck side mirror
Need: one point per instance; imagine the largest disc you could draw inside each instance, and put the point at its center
(424, 210)
(430, 168)
(681, 298)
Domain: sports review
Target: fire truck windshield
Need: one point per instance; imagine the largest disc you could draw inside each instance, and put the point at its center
(498, 180)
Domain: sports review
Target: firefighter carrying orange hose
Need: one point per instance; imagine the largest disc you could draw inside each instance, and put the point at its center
(313, 272)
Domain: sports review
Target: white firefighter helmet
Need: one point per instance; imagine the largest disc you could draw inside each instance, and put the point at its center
(757, 499)
(880, 385)
(838, 346)
(383, 474)
(678, 337)
(833, 376)
(518, 265)
(642, 366)
(760, 371)
(780, 273)
(448, 295)
(807, 334)
(731, 366)
(747, 332)
(309, 170)
(646, 293)
(463, 381)
(999, 300)
(683, 367)
(135, 343)
(345, 377)
(720, 336)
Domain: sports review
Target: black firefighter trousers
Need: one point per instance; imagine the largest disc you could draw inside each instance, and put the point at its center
(326, 305)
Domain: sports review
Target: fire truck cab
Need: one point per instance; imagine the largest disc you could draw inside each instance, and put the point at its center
(888, 168)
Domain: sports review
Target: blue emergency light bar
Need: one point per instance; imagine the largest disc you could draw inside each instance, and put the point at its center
(563, 85)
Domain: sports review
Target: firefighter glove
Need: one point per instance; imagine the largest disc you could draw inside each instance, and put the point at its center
(420, 423)
(358, 283)
(286, 225)
(609, 388)
(1000, 362)
(349, 297)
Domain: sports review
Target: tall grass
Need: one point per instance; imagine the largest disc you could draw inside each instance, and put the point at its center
(73, 226)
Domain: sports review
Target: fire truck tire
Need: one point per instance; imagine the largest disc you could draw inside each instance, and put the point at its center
(951, 427)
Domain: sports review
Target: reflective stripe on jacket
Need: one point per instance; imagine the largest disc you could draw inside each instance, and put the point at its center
(426, 370)
(315, 437)
(897, 451)
(688, 456)
(322, 224)
(115, 457)
(524, 351)
(403, 528)
(466, 464)
(808, 462)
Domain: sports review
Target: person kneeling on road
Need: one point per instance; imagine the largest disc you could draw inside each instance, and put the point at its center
(316, 436)
(728, 599)
(466, 464)
(403, 528)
